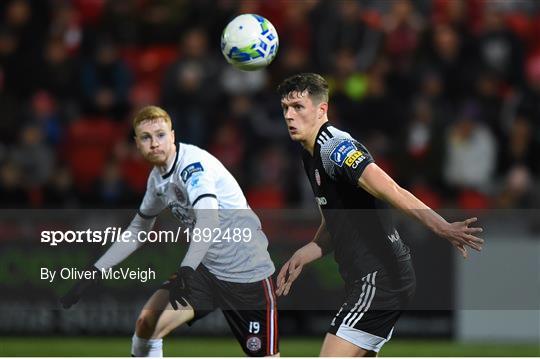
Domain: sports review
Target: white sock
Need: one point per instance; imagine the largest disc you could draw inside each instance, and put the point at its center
(146, 347)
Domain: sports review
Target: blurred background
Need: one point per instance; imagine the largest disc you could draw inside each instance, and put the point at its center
(445, 94)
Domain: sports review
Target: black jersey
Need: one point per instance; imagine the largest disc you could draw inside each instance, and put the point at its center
(363, 234)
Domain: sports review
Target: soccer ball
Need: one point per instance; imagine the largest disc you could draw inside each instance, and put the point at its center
(249, 42)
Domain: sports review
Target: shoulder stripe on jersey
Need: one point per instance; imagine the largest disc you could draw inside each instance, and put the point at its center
(325, 135)
(145, 216)
(203, 196)
(168, 174)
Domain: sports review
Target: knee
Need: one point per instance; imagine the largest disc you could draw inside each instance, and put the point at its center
(145, 325)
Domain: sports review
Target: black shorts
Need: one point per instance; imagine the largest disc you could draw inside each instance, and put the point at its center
(372, 308)
(249, 308)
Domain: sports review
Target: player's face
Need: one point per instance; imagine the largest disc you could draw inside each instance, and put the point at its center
(302, 116)
(155, 141)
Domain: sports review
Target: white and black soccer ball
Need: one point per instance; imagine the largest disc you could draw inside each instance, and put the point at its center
(249, 42)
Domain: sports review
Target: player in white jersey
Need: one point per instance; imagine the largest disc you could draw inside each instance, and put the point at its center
(230, 269)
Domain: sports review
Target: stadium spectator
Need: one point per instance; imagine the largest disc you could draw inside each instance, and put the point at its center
(59, 191)
(11, 191)
(59, 72)
(34, 157)
(106, 80)
(499, 49)
(189, 90)
(470, 152)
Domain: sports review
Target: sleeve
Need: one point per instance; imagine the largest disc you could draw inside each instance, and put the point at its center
(122, 249)
(206, 212)
(144, 220)
(199, 180)
(345, 159)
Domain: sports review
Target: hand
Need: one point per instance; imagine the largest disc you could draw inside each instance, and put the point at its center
(288, 274)
(180, 286)
(461, 235)
(76, 292)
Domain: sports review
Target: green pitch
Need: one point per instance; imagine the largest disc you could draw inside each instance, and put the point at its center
(118, 346)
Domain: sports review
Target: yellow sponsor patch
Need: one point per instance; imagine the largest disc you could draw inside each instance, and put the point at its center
(350, 160)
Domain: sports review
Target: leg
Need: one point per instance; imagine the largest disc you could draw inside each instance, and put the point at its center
(157, 319)
(357, 329)
(334, 346)
(251, 311)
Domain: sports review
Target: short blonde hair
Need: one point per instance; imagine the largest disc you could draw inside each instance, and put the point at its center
(149, 113)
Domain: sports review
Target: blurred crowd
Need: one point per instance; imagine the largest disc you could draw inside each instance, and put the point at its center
(444, 93)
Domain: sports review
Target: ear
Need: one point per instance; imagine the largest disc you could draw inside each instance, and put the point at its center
(322, 110)
(173, 137)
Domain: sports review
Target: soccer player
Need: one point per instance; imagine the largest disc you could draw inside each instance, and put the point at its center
(352, 193)
(233, 274)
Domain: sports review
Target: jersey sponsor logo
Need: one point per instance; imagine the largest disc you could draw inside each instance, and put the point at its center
(342, 151)
(194, 182)
(354, 159)
(253, 344)
(190, 170)
(321, 201)
(317, 177)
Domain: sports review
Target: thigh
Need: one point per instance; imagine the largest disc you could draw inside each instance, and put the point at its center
(201, 298)
(368, 316)
(251, 311)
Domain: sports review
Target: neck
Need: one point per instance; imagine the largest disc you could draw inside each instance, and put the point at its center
(309, 143)
(166, 167)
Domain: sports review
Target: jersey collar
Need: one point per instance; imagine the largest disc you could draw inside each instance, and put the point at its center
(168, 174)
(319, 138)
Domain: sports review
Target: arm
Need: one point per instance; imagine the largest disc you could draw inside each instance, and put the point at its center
(114, 255)
(375, 181)
(319, 246)
(121, 250)
(206, 213)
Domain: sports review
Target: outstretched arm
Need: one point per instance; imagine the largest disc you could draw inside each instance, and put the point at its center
(122, 249)
(114, 255)
(375, 181)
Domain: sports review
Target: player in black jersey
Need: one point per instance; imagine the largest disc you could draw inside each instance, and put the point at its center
(352, 193)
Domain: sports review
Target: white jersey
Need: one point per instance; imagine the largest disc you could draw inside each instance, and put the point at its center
(196, 174)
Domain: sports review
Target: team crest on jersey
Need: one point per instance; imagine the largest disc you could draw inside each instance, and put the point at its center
(179, 195)
(317, 177)
(343, 150)
(253, 344)
(183, 214)
(162, 192)
(190, 170)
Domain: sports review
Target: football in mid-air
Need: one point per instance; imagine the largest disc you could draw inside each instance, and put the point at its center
(249, 42)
